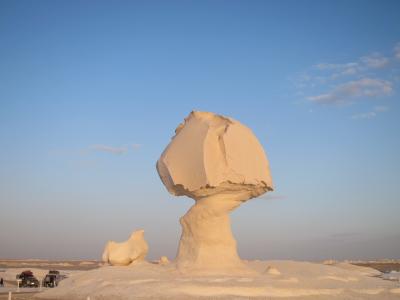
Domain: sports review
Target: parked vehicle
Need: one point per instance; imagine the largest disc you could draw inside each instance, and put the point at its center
(27, 279)
(52, 279)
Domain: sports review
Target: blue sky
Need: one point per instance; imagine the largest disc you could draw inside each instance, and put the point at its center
(91, 92)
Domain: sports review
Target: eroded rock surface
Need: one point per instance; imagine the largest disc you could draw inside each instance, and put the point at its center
(212, 154)
(131, 251)
(220, 164)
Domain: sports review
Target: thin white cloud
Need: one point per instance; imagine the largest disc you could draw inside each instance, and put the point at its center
(334, 71)
(110, 149)
(269, 196)
(375, 61)
(324, 98)
(327, 66)
(349, 71)
(136, 146)
(397, 51)
(363, 78)
(367, 115)
(370, 114)
(350, 91)
(345, 235)
(359, 67)
(381, 108)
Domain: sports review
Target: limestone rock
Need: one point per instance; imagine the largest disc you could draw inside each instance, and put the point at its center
(212, 154)
(163, 260)
(272, 271)
(220, 164)
(122, 254)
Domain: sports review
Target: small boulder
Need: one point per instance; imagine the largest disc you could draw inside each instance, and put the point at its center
(272, 271)
(131, 251)
(163, 260)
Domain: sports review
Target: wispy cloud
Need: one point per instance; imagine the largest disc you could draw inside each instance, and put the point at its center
(381, 108)
(273, 197)
(345, 235)
(114, 150)
(348, 92)
(375, 61)
(326, 66)
(366, 115)
(370, 114)
(397, 51)
(360, 66)
(371, 76)
(109, 149)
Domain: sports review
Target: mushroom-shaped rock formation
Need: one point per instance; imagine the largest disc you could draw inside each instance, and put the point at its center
(220, 164)
(131, 251)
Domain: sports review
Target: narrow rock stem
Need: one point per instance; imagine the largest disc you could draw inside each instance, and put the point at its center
(207, 243)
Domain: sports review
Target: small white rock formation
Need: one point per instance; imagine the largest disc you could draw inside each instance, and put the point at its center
(329, 262)
(131, 251)
(272, 271)
(220, 164)
(163, 260)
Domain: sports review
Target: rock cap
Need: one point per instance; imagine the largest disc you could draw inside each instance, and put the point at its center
(212, 154)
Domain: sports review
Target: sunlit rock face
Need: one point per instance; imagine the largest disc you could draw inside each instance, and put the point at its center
(220, 164)
(212, 154)
(131, 251)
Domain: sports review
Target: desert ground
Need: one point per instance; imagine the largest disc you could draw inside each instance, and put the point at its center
(9, 268)
(275, 280)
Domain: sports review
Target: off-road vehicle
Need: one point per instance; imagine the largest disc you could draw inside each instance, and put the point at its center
(27, 279)
(52, 278)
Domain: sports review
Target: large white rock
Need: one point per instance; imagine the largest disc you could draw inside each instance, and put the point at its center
(122, 254)
(220, 164)
(212, 154)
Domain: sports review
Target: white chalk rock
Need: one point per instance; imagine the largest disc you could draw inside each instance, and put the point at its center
(133, 250)
(163, 260)
(212, 154)
(219, 163)
(272, 271)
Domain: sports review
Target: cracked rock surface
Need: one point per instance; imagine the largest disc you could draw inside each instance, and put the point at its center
(212, 154)
(219, 163)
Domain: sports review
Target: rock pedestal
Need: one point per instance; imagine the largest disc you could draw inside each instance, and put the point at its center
(220, 164)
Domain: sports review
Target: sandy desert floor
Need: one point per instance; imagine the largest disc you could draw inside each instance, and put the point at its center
(274, 280)
(50, 264)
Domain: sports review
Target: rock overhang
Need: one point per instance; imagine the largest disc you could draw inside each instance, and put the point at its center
(212, 154)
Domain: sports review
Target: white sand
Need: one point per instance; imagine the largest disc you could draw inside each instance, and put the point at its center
(296, 279)
(131, 251)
